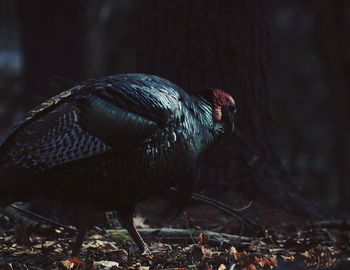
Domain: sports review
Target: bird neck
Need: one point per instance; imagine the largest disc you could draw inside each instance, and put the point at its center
(208, 131)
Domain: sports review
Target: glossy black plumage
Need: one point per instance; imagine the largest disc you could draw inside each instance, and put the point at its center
(108, 144)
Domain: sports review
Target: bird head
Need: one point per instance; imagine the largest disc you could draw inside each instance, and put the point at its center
(224, 109)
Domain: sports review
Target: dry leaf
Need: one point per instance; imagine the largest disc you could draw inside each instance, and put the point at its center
(222, 267)
(106, 265)
(273, 261)
(288, 258)
(233, 252)
(140, 222)
(207, 253)
(203, 239)
(251, 267)
(105, 245)
(77, 262)
(306, 254)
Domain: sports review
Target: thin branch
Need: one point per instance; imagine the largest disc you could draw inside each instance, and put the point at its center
(188, 228)
(171, 234)
(235, 213)
(50, 221)
(225, 208)
(342, 224)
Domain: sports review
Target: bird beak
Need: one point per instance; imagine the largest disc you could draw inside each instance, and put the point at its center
(231, 123)
(231, 128)
(229, 120)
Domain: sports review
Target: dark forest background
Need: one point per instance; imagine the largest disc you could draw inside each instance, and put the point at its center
(287, 63)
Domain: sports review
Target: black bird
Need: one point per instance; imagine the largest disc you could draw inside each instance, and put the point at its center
(110, 143)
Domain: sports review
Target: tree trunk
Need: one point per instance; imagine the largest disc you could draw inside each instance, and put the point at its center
(204, 43)
(332, 45)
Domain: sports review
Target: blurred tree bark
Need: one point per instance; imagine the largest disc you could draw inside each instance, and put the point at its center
(63, 39)
(332, 43)
(53, 44)
(204, 43)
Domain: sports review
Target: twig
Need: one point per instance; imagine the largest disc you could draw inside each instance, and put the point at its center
(235, 213)
(225, 208)
(52, 222)
(171, 235)
(234, 210)
(188, 229)
(342, 224)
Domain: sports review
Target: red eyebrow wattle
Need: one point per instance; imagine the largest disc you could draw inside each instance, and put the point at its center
(217, 114)
(220, 98)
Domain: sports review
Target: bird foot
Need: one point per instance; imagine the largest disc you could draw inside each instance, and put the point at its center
(145, 251)
(75, 252)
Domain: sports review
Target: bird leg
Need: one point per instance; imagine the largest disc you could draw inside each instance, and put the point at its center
(83, 225)
(126, 220)
(79, 241)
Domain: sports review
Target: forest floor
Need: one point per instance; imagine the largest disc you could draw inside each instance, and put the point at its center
(292, 244)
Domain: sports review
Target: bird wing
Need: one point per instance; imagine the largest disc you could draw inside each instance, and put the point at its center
(117, 127)
(149, 96)
(90, 119)
(125, 109)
